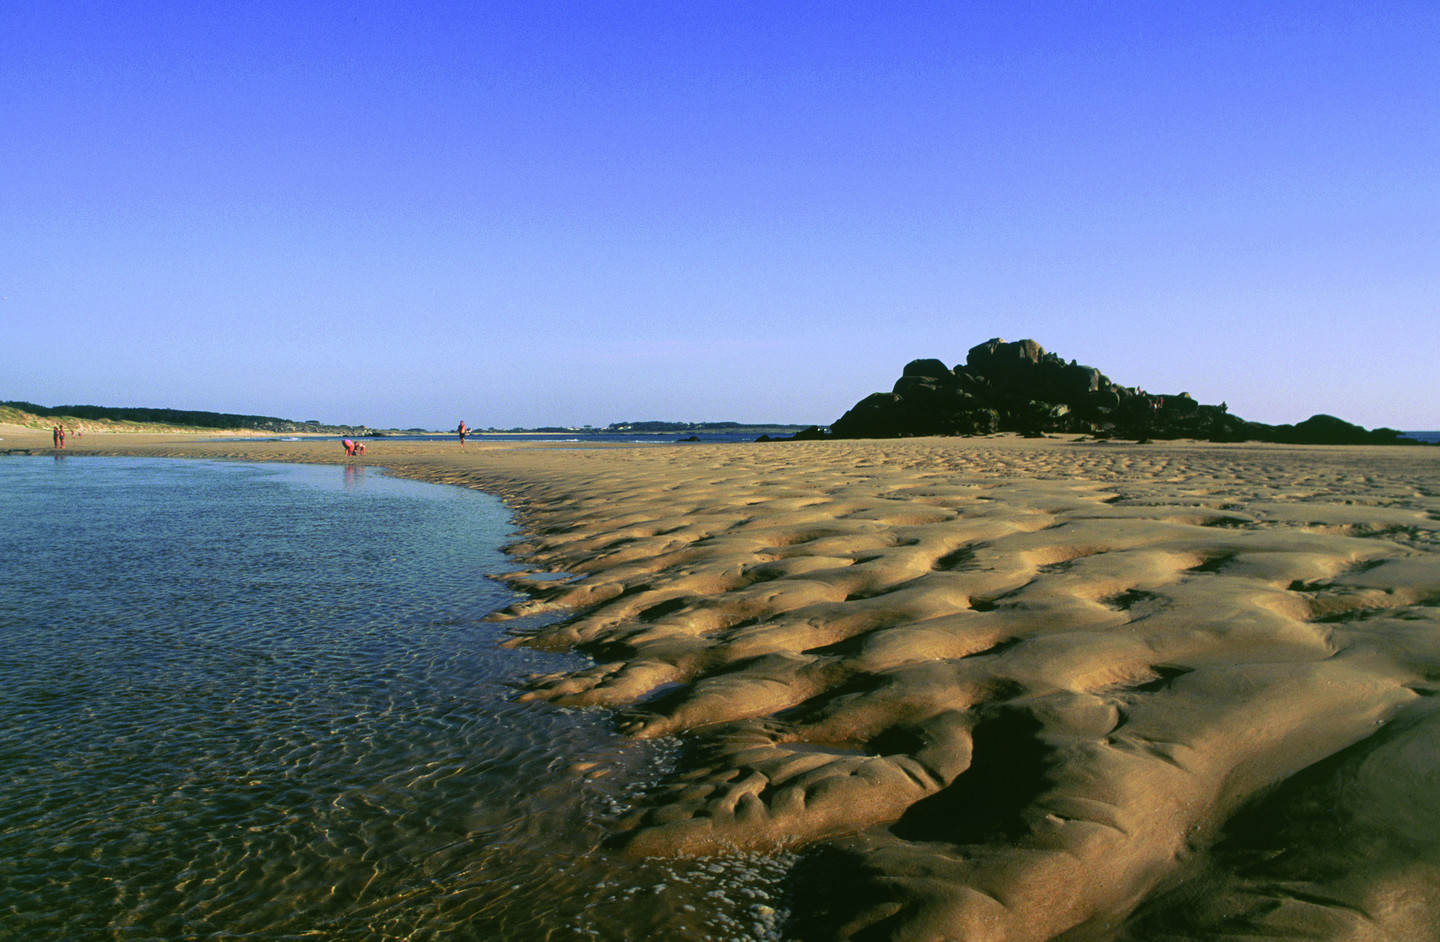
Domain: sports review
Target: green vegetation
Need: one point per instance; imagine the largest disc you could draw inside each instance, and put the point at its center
(30, 415)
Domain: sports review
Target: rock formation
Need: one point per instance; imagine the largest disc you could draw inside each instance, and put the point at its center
(1018, 387)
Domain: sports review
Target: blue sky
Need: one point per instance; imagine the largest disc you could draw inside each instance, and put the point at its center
(406, 214)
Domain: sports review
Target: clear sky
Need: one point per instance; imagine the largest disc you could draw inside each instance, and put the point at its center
(539, 213)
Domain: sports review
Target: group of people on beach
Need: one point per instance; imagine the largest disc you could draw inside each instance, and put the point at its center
(352, 448)
(59, 433)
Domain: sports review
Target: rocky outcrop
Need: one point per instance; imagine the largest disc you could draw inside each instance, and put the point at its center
(1018, 387)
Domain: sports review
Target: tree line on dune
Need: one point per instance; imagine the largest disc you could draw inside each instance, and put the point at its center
(189, 418)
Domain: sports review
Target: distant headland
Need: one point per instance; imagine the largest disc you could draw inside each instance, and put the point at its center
(1018, 387)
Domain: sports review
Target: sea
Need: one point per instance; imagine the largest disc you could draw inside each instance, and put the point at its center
(577, 437)
(263, 701)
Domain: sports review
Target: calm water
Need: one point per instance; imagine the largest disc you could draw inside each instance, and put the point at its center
(260, 702)
(581, 438)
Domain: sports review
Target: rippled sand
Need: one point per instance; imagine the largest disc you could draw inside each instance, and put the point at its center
(1019, 690)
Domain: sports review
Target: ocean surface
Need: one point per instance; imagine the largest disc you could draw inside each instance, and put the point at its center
(249, 701)
(629, 438)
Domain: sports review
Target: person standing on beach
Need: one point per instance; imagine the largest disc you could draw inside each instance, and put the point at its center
(55, 434)
(463, 430)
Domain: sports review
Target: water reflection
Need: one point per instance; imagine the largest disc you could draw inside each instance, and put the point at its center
(216, 719)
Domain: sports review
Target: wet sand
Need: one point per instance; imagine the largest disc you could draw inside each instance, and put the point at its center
(1015, 689)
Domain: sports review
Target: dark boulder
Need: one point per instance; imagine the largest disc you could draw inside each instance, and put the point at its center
(996, 356)
(934, 369)
(1328, 430)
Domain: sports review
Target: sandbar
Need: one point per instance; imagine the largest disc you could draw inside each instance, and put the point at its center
(1008, 689)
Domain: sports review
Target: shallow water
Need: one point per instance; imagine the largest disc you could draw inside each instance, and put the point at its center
(261, 702)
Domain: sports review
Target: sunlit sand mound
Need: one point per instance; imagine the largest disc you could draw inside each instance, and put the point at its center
(1037, 688)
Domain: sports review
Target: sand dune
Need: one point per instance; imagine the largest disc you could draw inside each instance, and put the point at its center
(1020, 690)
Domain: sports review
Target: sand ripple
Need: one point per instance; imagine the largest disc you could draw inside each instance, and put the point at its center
(1034, 687)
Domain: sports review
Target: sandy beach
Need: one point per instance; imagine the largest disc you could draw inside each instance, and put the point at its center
(1017, 689)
